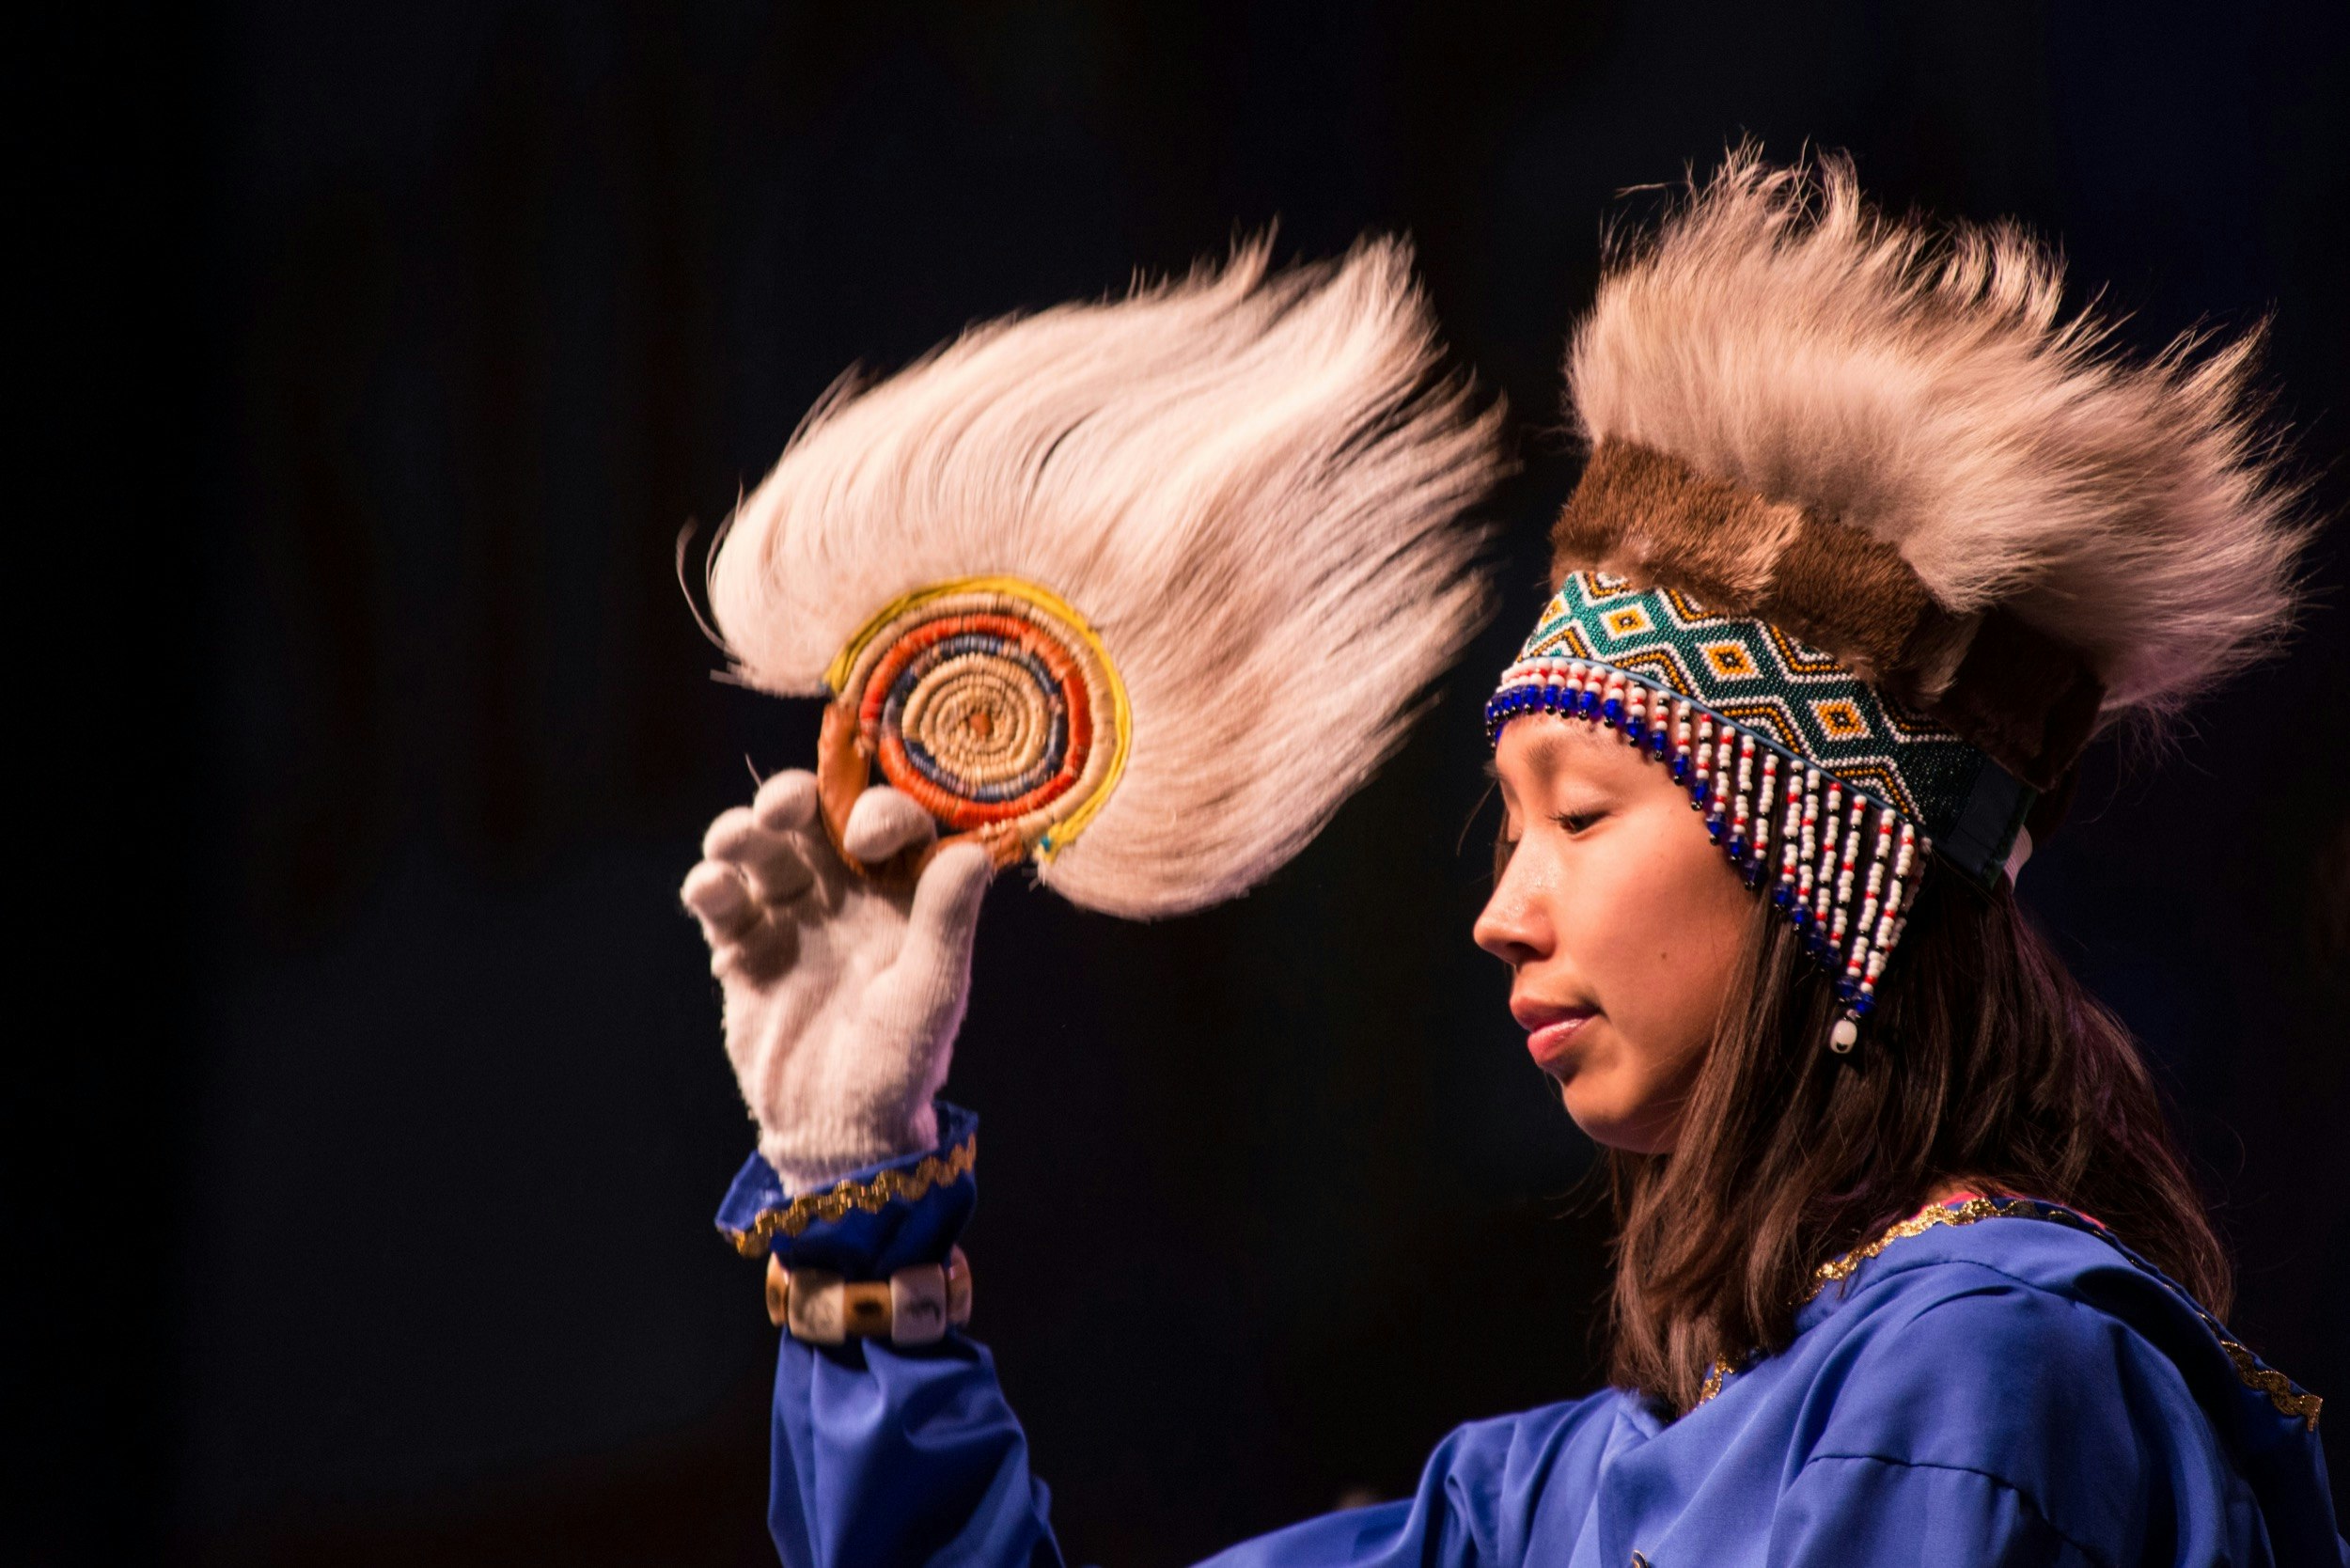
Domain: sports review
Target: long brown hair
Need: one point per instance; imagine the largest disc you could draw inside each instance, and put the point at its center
(1985, 1061)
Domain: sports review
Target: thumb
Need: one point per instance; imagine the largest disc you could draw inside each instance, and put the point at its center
(937, 952)
(925, 988)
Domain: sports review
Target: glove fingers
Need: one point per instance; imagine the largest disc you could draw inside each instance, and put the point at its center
(727, 832)
(787, 802)
(882, 822)
(717, 896)
(772, 863)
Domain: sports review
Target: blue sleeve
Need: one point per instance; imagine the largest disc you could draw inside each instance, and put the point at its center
(1850, 1512)
(888, 1454)
(1981, 1419)
(884, 1453)
(1495, 1493)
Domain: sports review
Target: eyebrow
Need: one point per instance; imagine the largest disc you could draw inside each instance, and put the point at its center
(1541, 758)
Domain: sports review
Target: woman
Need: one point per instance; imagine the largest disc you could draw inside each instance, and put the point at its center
(1870, 544)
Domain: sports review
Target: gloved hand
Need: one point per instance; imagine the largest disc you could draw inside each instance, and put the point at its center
(842, 993)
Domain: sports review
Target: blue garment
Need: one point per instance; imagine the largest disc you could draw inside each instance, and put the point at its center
(2008, 1386)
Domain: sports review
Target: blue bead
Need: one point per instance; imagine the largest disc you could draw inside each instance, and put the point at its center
(1591, 703)
(1738, 847)
(1680, 770)
(1863, 1006)
(1714, 830)
(1613, 706)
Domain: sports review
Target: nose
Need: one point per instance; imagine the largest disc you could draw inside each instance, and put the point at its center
(1513, 926)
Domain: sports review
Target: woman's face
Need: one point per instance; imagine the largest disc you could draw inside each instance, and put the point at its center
(1621, 921)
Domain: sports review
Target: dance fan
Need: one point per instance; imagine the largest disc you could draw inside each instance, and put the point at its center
(1136, 591)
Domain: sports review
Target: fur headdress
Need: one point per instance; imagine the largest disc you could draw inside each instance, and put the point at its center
(1139, 590)
(1928, 452)
(1873, 537)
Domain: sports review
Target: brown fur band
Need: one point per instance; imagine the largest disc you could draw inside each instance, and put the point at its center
(2020, 693)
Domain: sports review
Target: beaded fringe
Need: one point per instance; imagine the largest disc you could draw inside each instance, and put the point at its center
(1835, 846)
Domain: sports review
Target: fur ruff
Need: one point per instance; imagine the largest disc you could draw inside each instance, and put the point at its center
(1921, 386)
(1249, 483)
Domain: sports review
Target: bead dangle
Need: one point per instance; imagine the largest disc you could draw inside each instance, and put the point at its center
(1784, 894)
(1758, 854)
(1842, 867)
(1823, 875)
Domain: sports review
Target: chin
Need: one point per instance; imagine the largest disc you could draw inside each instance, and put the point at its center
(1611, 1127)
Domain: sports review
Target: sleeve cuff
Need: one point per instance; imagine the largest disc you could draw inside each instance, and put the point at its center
(870, 1223)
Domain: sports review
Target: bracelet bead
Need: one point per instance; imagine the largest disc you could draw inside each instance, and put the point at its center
(915, 1305)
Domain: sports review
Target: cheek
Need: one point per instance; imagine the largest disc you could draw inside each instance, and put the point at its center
(1659, 933)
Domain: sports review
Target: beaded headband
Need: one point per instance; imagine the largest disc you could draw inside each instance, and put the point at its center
(1811, 781)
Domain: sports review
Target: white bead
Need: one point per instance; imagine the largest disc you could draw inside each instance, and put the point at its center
(1843, 1036)
(817, 1313)
(917, 1304)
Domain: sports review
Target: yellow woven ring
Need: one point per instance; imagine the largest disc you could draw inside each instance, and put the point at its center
(1051, 828)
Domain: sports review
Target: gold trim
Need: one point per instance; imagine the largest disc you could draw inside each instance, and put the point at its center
(1925, 1219)
(1714, 1380)
(2288, 1397)
(1044, 598)
(870, 1196)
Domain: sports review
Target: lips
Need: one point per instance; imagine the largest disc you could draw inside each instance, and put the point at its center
(1551, 1035)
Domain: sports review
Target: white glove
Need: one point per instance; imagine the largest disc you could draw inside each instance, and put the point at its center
(842, 993)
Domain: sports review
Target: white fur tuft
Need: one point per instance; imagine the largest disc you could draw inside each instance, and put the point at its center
(1921, 384)
(1246, 481)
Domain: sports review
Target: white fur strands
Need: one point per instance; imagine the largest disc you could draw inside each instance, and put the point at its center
(1249, 483)
(1922, 384)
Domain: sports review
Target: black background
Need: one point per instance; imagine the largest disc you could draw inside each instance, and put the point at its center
(419, 332)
